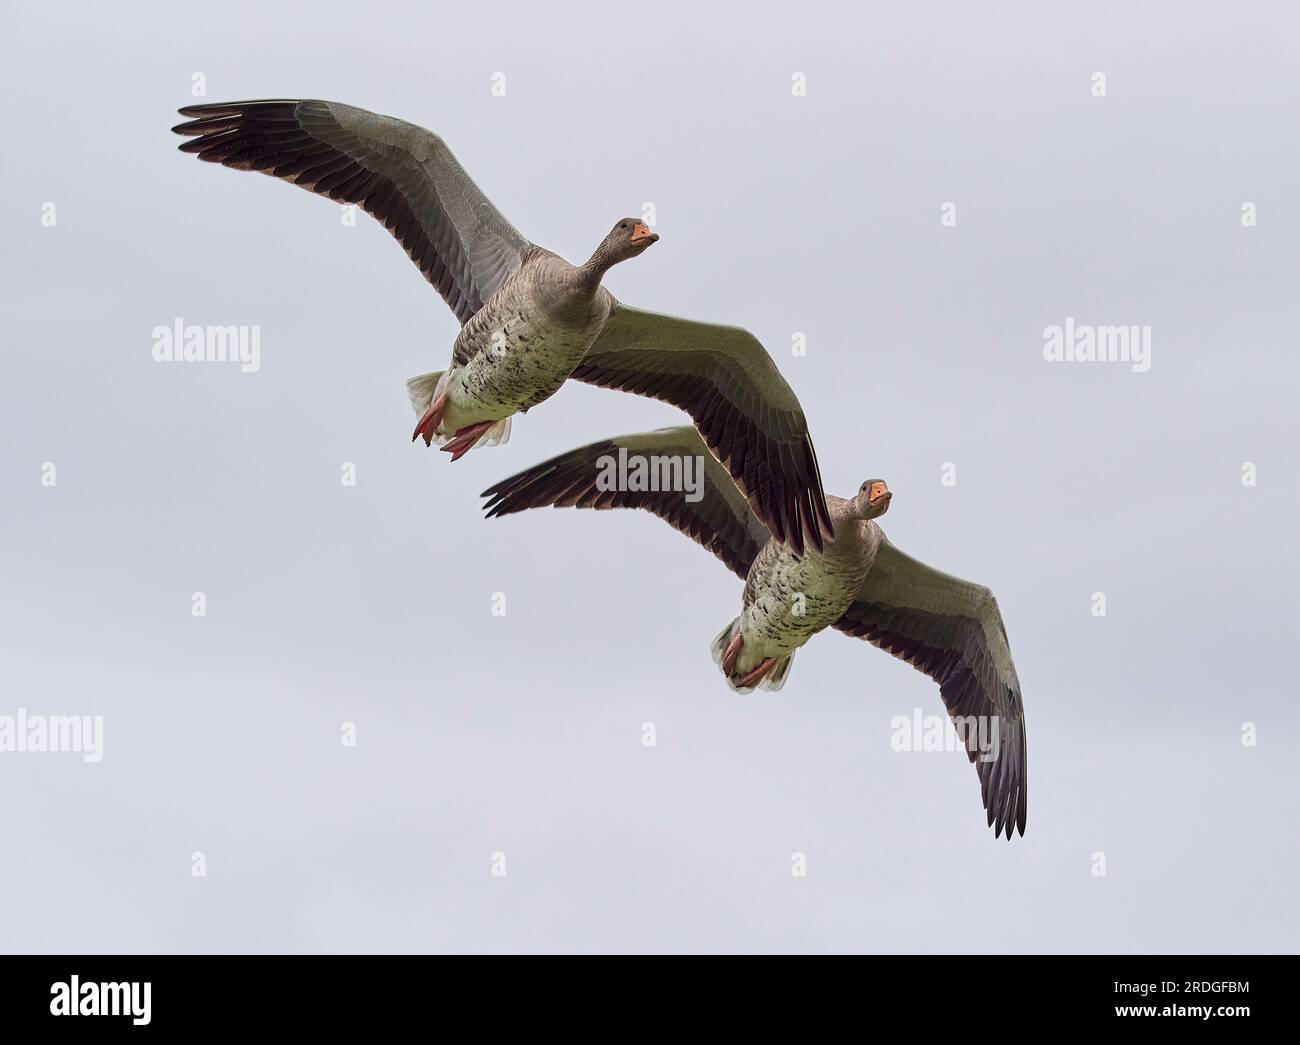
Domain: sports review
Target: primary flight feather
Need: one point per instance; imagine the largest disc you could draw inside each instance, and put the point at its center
(530, 320)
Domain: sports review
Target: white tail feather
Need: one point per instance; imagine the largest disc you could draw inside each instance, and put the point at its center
(423, 390)
(720, 644)
(775, 678)
(498, 434)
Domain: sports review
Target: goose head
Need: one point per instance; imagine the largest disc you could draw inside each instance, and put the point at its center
(627, 239)
(872, 500)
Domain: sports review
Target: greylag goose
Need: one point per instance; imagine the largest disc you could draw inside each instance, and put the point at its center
(858, 583)
(530, 320)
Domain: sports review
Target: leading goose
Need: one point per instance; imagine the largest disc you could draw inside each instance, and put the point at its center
(530, 320)
(859, 583)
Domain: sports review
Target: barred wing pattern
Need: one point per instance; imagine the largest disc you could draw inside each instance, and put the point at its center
(952, 630)
(746, 412)
(721, 520)
(403, 175)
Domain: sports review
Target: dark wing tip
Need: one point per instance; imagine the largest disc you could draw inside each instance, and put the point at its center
(1007, 800)
(794, 538)
(813, 533)
(212, 117)
(546, 483)
(1016, 823)
(816, 492)
(231, 108)
(1004, 782)
(502, 499)
(801, 500)
(788, 503)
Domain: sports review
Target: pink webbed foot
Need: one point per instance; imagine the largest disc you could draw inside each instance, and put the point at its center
(757, 675)
(732, 653)
(431, 420)
(463, 441)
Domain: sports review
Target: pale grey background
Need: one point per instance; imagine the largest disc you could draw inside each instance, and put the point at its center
(522, 734)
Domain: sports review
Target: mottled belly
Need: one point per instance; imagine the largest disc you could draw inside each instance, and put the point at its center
(788, 600)
(514, 365)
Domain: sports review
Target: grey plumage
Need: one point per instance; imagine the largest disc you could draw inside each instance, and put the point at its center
(530, 320)
(859, 583)
(403, 175)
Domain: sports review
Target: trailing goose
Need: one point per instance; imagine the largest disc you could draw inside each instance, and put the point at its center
(858, 583)
(530, 320)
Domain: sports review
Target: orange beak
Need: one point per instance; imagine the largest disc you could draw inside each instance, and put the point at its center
(877, 491)
(642, 234)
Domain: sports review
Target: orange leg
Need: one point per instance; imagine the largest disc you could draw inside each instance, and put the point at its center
(431, 420)
(757, 675)
(463, 441)
(732, 653)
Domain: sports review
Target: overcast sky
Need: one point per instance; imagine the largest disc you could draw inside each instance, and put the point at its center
(475, 734)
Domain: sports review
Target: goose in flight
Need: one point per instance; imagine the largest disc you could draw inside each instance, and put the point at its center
(858, 583)
(529, 319)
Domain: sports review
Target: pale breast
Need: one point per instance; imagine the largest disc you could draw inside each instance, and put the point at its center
(524, 343)
(789, 599)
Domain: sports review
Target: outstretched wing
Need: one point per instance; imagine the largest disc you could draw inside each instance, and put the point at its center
(402, 174)
(952, 630)
(749, 417)
(711, 511)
